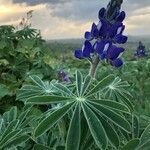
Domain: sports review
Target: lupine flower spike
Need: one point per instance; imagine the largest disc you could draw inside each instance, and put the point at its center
(101, 42)
(141, 52)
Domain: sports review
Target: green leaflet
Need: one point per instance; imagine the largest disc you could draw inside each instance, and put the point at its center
(10, 127)
(95, 127)
(135, 126)
(86, 138)
(41, 147)
(37, 81)
(110, 132)
(28, 91)
(86, 84)
(125, 100)
(131, 145)
(144, 146)
(23, 115)
(12, 114)
(79, 81)
(48, 122)
(61, 88)
(112, 105)
(42, 100)
(15, 142)
(145, 135)
(145, 139)
(10, 136)
(101, 85)
(114, 117)
(3, 90)
(73, 136)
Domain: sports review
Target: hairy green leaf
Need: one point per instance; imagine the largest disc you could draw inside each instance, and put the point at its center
(86, 84)
(49, 121)
(112, 105)
(101, 85)
(114, 117)
(79, 81)
(131, 145)
(95, 127)
(42, 100)
(73, 137)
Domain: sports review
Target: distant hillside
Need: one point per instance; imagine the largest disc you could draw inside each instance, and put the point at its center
(67, 41)
(132, 39)
(144, 39)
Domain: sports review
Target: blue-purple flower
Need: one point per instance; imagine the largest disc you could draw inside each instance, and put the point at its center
(141, 52)
(85, 52)
(101, 40)
(63, 76)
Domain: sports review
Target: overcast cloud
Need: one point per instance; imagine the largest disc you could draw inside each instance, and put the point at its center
(71, 18)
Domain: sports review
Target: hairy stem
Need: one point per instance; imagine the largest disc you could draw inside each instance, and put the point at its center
(93, 67)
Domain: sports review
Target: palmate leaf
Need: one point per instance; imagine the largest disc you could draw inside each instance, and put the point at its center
(102, 116)
(38, 88)
(117, 91)
(14, 129)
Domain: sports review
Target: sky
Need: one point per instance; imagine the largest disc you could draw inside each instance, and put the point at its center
(58, 19)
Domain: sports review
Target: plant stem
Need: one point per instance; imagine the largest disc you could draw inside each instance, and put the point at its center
(93, 67)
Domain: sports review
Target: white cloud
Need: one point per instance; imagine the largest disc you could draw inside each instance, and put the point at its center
(138, 22)
(71, 19)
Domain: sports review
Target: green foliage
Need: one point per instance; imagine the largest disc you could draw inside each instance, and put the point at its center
(13, 129)
(81, 102)
(22, 54)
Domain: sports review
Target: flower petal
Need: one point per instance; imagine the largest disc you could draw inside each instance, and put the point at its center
(114, 51)
(104, 28)
(117, 62)
(88, 36)
(78, 54)
(103, 55)
(112, 31)
(120, 29)
(121, 16)
(94, 30)
(88, 49)
(101, 13)
(121, 39)
(101, 46)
